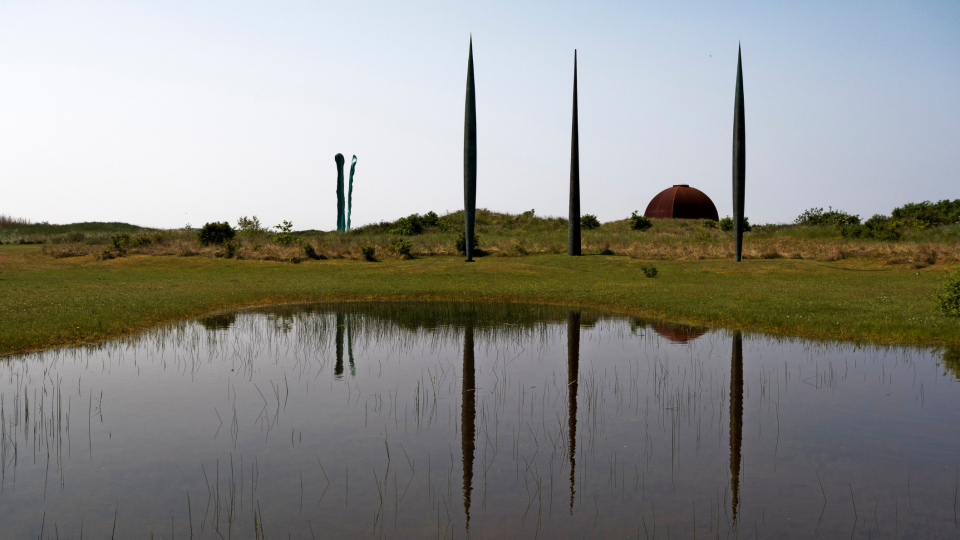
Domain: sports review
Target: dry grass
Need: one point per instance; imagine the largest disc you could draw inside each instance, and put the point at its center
(505, 235)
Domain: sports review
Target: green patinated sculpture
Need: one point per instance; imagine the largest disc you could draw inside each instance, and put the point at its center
(739, 162)
(573, 230)
(470, 160)
(341, 222)
(353, 168)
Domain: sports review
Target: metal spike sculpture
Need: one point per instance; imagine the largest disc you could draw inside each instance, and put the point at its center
(353, 167)
(739, 161)
(573, 231)
(470, 160)
(341, 222)
(736, 422)
(573, 369)
(468, 419)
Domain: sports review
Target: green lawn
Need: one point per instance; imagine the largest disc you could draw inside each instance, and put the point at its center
(46, 302)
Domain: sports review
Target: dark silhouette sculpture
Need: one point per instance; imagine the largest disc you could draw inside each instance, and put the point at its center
(573, 369)
(739, 161)
(470, 160)
(573, 231)
(681, 202)
(468, 418)
(736, 422)
(353, 167)
(341, 222)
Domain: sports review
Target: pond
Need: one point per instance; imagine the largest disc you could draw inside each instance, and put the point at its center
(449, 420)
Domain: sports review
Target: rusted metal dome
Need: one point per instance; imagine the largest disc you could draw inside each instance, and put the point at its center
(682, 202)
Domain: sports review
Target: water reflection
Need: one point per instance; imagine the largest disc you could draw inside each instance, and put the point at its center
(468, 418)
(736, 422)
(571, 423)
(573, 368)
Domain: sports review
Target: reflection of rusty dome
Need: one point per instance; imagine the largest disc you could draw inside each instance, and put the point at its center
(683, 202)
(677, 333)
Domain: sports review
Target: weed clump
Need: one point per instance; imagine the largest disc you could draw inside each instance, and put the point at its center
(230, 249)
(461, 243)
(368, 253)
(948, 296)
(402, 247)
(215, 233)
(284, 235)
(311, 251)
(649, 271)
(639, 223)
(120, 241)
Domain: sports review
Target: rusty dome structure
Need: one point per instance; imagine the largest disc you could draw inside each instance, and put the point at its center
(682, 202)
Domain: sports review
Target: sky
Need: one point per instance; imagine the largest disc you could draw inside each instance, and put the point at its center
(170, 113)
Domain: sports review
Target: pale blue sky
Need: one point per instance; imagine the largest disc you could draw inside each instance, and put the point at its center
(163, 113)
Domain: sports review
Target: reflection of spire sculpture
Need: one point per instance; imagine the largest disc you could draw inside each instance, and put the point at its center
(468, 418)
(338, 367)
(573, 368)
(736, 421)
(353, 368)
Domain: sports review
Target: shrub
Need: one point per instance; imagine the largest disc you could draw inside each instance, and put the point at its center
(589, 221)
(138, 241)
(927, 214)
(639, 223)
(410, 225)
(948, 296)
(726, 224)
(230, 249)
(462, 242)
(649, 271)
(402, 247)
(709, 224)
(368, 252)
(215, 233)
(520, 249)
(529, 213)
(104, 255)
(250, 226)
(817, 216)
(284, 234)
(878, 227)
(158, 238)
(120, 241)
(431, 219)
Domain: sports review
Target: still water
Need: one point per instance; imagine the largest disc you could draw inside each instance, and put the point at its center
(486, 421)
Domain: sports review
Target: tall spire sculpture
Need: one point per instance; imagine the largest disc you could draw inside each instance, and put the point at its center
(468, 418)
(470, 160)
(573, 374)
(736, 422)
(573, 231)
(739, 161)
(353, 167)
(341, 222)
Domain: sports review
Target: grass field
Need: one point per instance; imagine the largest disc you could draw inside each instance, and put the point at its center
(47, 301)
